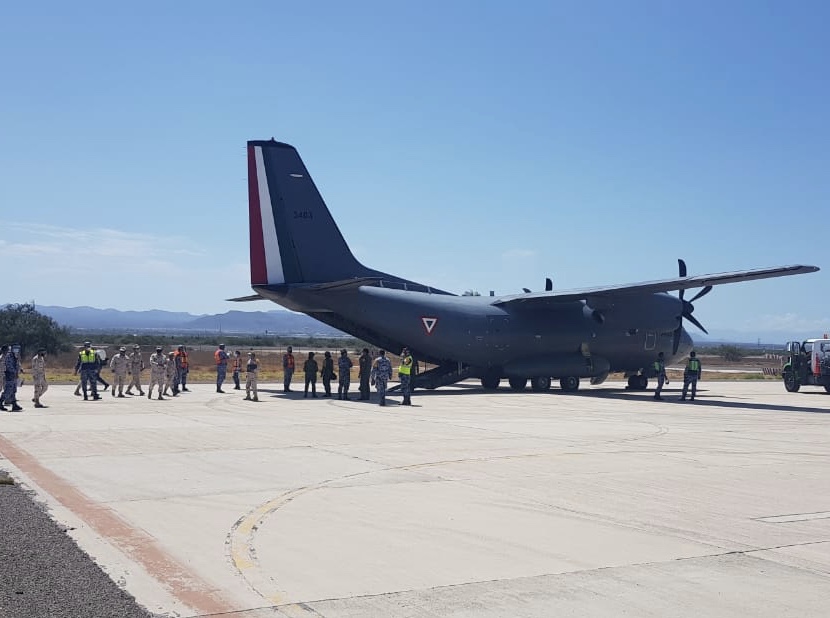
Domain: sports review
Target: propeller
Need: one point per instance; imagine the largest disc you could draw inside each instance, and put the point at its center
(688, 308)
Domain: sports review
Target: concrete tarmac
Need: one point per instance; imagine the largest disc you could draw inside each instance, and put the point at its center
(600, 503)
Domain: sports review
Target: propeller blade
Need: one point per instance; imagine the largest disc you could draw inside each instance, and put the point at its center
(526, 291)
(548, 284)
(681, 268)
(694, 321)
(675, 342)
(702, 293)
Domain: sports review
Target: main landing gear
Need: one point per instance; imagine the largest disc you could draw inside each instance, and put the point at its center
(637, 382)
(538, 384)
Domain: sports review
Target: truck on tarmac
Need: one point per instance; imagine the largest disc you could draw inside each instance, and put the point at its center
(807, 363)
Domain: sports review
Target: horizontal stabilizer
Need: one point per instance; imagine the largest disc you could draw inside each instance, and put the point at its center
(245, 299)
(540, 299)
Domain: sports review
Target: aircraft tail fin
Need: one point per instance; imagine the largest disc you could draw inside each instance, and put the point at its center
(294, 238)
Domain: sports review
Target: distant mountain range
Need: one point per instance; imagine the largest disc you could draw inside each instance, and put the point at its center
(278, 322)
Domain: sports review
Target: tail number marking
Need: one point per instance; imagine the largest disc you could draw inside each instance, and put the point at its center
(303, 214)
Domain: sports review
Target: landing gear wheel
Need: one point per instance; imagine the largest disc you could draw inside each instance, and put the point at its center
(540, 384)
(637, 382)
(490, 381)
(517, 384)
(642, 383)
(791, 383)
(826, 388)
(632, 382)
(569, 384)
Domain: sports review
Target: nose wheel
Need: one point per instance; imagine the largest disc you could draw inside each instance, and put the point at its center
(637, 382)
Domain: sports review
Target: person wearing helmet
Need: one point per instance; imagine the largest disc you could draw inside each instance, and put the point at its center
(136, 367)
(120, 365)
(691, 375)
(158, 364)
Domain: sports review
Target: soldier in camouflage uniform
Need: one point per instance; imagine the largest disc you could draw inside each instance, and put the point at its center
(136, 367)
(251, 373)
(120, 365)
(11, 371)
(39, 376)
(381, 374)
(158, 365)
(171, 381)
(3, 351)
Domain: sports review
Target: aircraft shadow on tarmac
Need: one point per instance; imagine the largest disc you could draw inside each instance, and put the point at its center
(703, 397)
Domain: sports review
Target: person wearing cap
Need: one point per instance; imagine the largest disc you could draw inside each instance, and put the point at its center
(136, 367)
(381, 374)
(4, 349)
(405, 376)
(251, 373)
(344, 366)
(171, 381)
(11, 371)
(120, 365)
(182, 367)
(101, 354)
(87, 364)
(158, 364)
(691, 374)
(39, 376)
(221, 358)
(364, 362)
(659, 367)
(327, 373)
(287, 370)
(237, 367)
(310, 371)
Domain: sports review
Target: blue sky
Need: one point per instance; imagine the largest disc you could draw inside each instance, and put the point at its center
(468, 145)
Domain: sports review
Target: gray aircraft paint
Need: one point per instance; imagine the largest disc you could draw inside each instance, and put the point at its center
(524, 335)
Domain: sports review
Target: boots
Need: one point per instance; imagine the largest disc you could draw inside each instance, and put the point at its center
(15, 407)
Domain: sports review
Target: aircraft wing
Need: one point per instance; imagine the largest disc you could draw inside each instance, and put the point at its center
(540, 299)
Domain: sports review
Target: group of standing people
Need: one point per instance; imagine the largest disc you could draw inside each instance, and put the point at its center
(220, 356)
(11, 370)
(691, 374)
(371, 372)
(167, 371)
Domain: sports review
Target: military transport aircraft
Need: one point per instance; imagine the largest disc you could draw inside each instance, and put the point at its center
(300, 260)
